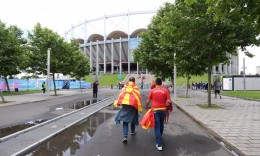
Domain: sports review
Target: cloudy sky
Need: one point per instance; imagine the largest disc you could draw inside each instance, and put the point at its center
(60, 15)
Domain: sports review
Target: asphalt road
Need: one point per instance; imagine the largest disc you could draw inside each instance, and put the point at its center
(182, 137)
(47, 109)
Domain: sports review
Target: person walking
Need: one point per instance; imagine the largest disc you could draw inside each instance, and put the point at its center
(217, 87)
(160, 98)
(95, 89)
(43, 87)
(130, 100)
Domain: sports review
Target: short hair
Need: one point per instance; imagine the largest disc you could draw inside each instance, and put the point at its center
(132, 79)
(158, 81)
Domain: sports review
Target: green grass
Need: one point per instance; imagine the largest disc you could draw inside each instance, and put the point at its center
(182, 81)
(213, 106)
(105, 80)
(21, 92)
(243, 94)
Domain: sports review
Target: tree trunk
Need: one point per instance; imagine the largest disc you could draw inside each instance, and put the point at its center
(3, 99)
(80, 85)
(187, 85)
(172, 83)
(209, 84)
(7, 84)
(54, 84)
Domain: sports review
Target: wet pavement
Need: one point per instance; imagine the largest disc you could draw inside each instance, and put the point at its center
(236, 127)
(22, 141)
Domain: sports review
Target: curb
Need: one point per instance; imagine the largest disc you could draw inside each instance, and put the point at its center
(211, 133)
(50, 121)
(55, 97)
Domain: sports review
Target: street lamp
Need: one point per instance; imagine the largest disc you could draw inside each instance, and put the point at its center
(175, 79)
(48, 71)
(244, 72)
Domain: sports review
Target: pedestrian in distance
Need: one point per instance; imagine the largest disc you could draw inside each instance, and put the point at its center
(217, 87)
(130, 100)
(43, 87)
(95, 89)
(160, 98)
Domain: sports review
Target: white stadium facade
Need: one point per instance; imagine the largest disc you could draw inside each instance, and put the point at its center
(109, 42)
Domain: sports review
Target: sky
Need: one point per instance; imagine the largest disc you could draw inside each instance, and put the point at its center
(60, 15)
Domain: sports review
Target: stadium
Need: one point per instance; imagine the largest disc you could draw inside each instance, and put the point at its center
(109, 42)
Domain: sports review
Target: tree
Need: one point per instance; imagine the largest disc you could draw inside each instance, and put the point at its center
(62, 56)
(11, 51)
(219, 35)
(150, 54)
(199, 39)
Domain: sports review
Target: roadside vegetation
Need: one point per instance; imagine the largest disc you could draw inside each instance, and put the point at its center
(213, 106)
(21, 92)
(243, 94)
(105, 80)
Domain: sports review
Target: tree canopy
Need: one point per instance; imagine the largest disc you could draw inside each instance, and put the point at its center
(11, 50)
(199, 34)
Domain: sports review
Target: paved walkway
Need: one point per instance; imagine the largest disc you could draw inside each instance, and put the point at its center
(237, 125)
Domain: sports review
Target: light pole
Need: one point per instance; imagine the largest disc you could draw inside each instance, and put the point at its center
(48, 71)
(244, 72)
(175, 80)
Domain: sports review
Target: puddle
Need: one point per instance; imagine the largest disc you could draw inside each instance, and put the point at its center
(71, 140)
(82, 104)
(13, 129)
(76, 105)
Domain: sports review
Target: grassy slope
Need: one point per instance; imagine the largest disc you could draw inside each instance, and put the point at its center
(246, 94)
(105, 80)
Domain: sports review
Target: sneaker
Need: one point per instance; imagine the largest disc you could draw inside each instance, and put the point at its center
(159, 147)
(133, 133)
(220, 97)
(125, 140)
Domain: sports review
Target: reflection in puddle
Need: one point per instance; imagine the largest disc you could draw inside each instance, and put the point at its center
(77, 105)
(82, 104)
(71, 140)
(13, 129)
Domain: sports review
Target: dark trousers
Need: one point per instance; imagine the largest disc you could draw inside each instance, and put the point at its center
(94, 94)
(159, 116)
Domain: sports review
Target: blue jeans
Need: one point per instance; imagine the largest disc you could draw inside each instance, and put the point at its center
(159, 116)
(125, 128)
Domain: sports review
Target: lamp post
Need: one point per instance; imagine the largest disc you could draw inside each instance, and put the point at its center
(244, 72)
(48, 71)
(175, 79)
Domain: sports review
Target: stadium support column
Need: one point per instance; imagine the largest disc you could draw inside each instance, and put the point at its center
(105, 65)
(137, 65)
(220, 68)
(214, 70)
(85, 37)
(128, 44)
(225, 69)
(97, 63)
(90, 56)
(112, 56)
(120, 56)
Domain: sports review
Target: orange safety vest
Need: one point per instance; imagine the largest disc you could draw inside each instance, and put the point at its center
(130, 95)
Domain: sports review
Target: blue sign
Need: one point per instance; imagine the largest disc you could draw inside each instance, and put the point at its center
(119, 76)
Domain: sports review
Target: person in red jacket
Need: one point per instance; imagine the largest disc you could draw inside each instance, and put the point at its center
(160, 98)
